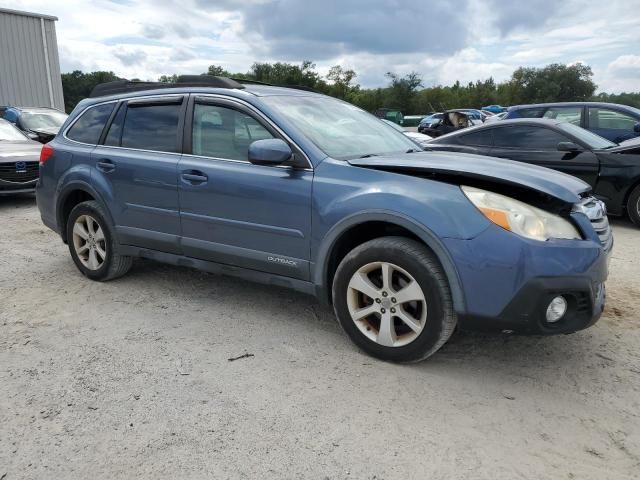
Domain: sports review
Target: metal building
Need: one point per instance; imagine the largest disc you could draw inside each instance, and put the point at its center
(29, 63)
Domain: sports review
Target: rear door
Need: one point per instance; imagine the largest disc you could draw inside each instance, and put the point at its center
(137, 162)
(234, 212)
(538, 145)
(572, 114)
(614, 125)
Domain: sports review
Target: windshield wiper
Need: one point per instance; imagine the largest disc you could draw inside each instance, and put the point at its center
(367, 155)
(413, 150)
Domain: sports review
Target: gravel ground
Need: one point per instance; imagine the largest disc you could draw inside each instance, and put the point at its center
(131, 379)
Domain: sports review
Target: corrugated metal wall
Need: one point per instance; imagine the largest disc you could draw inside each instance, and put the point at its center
(23, 70)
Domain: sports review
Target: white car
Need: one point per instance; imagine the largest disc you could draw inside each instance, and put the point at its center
(420, 138)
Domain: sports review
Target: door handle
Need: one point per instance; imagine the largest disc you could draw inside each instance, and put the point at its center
(105, 165)
(194, 177)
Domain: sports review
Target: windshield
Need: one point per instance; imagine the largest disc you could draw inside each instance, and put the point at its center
(39, 120)
(339, 129)
(593, 141)
(10, 133)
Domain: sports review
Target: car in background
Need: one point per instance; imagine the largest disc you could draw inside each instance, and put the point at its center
(417, 137)
(612, 121)
(39, 123)
(496, 117)
(451, 121)
(429, 120)
(612, 170)
(391, 114)
(19, 156)
(495, 108)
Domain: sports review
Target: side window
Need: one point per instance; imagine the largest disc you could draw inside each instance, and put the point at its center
(482, 138)
(115, 129)
(151, 127)
(89, 126)
(565, 114)
(527, 137)
(223, 132)
(610, 119)
(536, 112)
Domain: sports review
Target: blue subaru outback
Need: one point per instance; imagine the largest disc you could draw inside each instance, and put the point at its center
(300, 190)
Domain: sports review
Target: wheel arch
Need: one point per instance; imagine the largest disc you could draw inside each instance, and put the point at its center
(74, 193)
(359, 228)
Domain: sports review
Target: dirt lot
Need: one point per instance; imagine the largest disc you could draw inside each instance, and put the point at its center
(130, 379)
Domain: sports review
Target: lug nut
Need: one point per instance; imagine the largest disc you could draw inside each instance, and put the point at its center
(393, 299)
(382, 310)
(393, 310)
(384, 294)
(377, 300)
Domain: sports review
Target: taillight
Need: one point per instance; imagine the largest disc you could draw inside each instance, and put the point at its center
(45, 153)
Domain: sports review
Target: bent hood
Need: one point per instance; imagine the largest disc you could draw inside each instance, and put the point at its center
(463, 165)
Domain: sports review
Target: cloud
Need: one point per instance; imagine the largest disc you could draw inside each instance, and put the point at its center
(321, 30)
(443, 40)
(129, 58)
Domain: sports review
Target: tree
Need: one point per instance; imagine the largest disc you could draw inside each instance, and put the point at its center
(553, 83)
(340, 81)
(77, 85)
(403, 90)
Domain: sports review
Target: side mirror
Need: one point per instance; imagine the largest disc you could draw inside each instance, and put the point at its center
(271, 151)
(636, 127)
(568, 147)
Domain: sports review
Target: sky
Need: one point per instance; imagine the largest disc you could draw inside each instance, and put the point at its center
(443, 40)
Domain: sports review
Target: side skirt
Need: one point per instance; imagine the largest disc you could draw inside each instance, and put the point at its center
(221, 269)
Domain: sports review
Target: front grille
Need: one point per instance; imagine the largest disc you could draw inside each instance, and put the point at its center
(19, 172)
(596, 212)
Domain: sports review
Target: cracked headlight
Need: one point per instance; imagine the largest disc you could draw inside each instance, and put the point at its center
(519, 217)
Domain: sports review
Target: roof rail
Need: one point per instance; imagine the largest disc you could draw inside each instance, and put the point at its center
(126, 86)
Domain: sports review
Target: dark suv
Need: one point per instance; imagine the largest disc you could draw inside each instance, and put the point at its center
(612, 121)
(300, 190)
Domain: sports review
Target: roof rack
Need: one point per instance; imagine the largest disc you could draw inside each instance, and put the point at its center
(126, 86)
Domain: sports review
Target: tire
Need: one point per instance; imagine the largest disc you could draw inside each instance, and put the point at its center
(431, 320)
(100, 243)
(633, 206)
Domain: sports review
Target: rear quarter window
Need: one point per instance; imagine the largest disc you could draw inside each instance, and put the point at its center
(89, 126)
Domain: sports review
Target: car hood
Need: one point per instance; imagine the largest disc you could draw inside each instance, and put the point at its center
(475, 167)
(46, 131)
(632, 144)
(26, 151)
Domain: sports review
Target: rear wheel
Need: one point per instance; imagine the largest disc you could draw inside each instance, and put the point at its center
(92, 244)
(633, 206)
(392, 298)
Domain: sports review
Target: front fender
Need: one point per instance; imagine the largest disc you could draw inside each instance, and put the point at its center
(427, 236)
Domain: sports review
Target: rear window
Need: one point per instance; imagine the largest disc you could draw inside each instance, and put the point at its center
(151, 127)
(89, 126)
(481, 137)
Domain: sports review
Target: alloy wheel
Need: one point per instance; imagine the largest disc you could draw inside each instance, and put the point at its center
(89, 242)
(387, 304)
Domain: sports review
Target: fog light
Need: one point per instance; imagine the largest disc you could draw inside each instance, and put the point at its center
(556, 309)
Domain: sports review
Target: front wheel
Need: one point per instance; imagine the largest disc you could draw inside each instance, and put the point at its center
(392, 298)
(92, 244)
(633, 206)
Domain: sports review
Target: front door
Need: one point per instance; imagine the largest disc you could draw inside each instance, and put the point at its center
(539, 145)
(234, 212)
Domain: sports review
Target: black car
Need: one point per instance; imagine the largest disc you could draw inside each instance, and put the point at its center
(612, 121)
(19, 158)
(41, 123)
(451, 121)
(612, 170)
